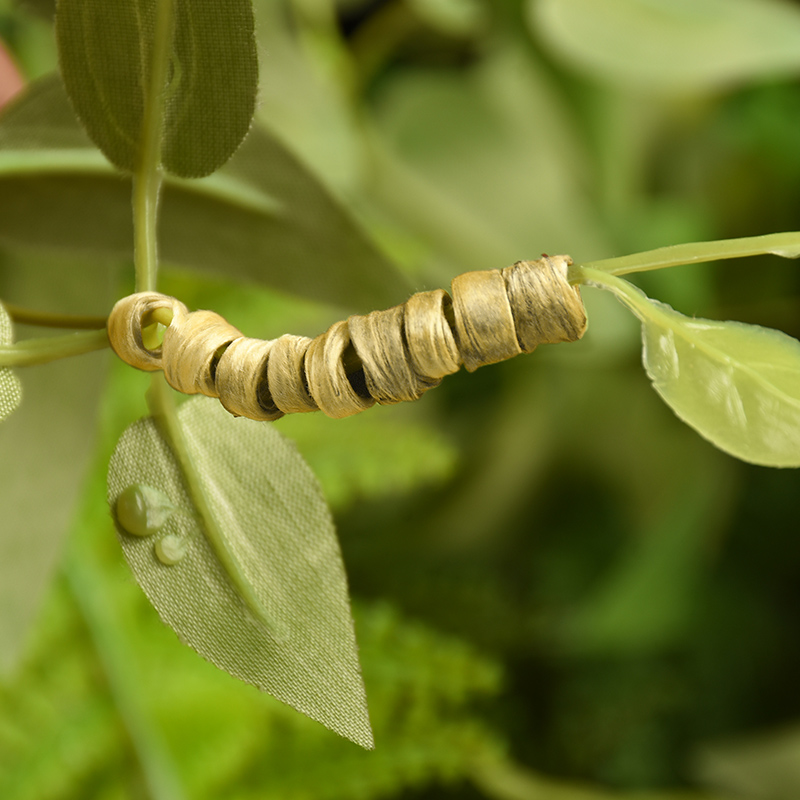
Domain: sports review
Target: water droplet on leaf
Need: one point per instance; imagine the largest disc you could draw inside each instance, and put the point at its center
(171, 549)
(143, 510)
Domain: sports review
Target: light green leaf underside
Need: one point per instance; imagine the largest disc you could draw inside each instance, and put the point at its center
(263, 217)
(738, 385)
(278, 527)
(105, 50)
(672, 44)
(10, 388)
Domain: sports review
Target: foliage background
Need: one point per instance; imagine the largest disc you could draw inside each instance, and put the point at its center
(560, 592)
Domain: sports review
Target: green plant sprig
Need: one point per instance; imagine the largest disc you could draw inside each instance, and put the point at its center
(737, 385)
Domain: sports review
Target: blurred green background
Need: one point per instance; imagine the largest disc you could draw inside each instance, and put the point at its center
(561, 593)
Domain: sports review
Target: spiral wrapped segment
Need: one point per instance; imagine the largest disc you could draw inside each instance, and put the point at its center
(385, 357)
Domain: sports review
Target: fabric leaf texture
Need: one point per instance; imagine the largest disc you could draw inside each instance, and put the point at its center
(277, 527)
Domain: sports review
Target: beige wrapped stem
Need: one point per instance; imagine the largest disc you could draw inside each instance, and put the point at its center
(384, 357)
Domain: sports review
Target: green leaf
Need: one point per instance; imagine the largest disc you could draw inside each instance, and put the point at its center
(672, 44)
(263, 217)
(46, 444)
(268, 603)
(109, 52)
(738, 385)
(525, 182)
(10, 388)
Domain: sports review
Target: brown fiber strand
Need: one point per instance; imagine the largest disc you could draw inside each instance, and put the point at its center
(385, 357)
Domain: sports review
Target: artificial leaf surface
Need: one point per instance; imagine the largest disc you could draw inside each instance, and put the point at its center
(738, 385)
(672, 44)
(277, 527)
(10, 389)
(263, 217)
(109, 50)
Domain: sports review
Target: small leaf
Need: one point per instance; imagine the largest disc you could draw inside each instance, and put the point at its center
(672, 44)
(738, 385)
(10, 388)
(107, 50)
(263, 217)
(278, 530)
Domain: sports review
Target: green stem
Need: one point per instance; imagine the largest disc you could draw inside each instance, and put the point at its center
(162, 407)
(146, 188)
(52, 348)
(148, 176)
(786, 245)
(589, 276)
(635, 299)
(45, 319)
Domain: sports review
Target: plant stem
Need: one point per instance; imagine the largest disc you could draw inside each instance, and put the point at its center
(629, 295)
(590, 276)
(146, 189)
(786, 245)
(162, 407)
(45, 319)
(52, 348)
(148, 176)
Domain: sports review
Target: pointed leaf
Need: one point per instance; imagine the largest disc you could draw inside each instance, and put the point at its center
(290, 632)
(108, 51)
(263, 217)
(738, 385)
(10, 389)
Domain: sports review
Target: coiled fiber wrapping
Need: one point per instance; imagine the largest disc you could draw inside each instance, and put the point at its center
(385, 357)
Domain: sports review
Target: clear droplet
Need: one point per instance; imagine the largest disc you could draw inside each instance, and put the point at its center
(143, 510)
(170, 549)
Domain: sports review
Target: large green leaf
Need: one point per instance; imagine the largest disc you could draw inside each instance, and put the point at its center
(736, 384)
(263, 217)
(473, 169)
(672, 44)
(45, 445)
(10, 389)
(109, 53)
(261, 589)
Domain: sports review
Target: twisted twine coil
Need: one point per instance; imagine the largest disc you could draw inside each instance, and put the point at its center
(385, 356)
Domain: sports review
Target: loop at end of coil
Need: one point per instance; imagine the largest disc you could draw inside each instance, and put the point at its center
(126, 324)
(384, 357)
